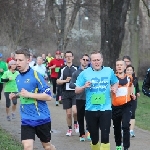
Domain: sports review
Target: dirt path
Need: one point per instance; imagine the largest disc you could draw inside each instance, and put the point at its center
(59, 127)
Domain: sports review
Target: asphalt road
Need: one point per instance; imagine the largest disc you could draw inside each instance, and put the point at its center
(59, 127)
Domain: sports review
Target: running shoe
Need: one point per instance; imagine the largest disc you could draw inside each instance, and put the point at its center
(13, 116)
(57, 103)
(88, 135)
(82, 138)
(60, 101)
(118, 147)
(76, 128)
(69, 132)
(8, 118)
(132, 134)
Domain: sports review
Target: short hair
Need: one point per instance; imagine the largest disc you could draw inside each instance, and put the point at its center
(127, 57)
(84, 55)
(119, 59)
(130, 66)
(23, 51)
(97, 52)
(68, 52)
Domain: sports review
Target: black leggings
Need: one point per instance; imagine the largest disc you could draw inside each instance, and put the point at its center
(1, 88)
(121, 116)
(8, 101)
(134, 106)
(99, 120)
(54, 84)
(57, 89)
(80, 115)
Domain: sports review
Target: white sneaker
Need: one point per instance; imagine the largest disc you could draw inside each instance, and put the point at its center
(69, 132)
(76, 128)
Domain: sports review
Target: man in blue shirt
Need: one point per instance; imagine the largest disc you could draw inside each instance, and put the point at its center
(98, 82)
(33, 93)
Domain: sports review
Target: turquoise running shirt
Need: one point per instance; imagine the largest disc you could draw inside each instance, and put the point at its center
(98, 96)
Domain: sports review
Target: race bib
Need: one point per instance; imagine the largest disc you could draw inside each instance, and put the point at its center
(57, 69)
(25, 100)
(98, 99)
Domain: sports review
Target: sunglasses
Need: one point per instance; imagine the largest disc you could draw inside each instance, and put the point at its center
(85, 59)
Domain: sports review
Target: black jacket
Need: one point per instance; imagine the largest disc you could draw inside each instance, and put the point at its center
(72, 85)
(146, 84)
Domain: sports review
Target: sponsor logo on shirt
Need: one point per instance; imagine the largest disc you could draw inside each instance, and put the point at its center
(27, 81)
(99, 84)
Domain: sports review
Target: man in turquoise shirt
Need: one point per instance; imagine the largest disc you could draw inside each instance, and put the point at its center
(98, 82)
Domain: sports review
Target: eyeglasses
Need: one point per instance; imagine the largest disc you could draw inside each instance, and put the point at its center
(85, 59)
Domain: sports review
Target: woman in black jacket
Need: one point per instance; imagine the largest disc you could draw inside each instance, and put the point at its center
(130, 71)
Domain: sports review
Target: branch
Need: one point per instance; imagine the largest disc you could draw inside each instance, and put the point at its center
(72, 21)
(52, 16)
(87, 4)
(148, 10)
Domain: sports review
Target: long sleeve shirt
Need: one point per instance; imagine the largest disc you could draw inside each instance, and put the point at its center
(146, 84)
(72, 85)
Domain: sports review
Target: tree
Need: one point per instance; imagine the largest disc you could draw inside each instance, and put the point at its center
(113, 18)
(134, 33)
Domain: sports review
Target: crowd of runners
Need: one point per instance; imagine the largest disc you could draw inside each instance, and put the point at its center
(90, 93)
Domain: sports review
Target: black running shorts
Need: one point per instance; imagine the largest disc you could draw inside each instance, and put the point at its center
(43, 132)
(68, 99)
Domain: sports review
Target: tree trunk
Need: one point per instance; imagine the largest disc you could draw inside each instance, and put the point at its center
(134, 33)
(63, 20)
(113, 18)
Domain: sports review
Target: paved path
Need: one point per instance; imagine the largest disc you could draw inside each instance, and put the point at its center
(140, 142)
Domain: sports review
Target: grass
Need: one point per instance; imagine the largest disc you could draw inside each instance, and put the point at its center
(7, 142)
(143, 111)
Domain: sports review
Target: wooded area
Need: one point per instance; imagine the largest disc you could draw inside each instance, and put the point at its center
(115, 27)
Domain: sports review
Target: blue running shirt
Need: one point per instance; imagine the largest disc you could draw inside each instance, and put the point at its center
(101, 82)
(33, 112)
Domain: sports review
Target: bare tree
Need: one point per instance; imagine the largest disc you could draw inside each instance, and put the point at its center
(113, 18)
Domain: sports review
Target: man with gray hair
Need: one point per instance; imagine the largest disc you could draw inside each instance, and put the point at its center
(40, 67)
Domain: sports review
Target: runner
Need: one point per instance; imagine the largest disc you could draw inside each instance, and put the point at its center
(68, 95)
(3, 67)
(121, 106)
(127, 60)
(45, 63)
(12, 57)
(54, 66)
(40, 68)
(98, 81)
(9, 77)
(32, 62)
(146, 84)
(130, 71)
(80, 98)
(33, 92)
(49, 58)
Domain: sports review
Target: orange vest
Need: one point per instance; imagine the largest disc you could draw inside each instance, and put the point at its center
(122, 96)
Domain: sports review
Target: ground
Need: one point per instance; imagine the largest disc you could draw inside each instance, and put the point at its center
(59, 127)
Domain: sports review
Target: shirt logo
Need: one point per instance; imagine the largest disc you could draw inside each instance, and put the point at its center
(99, 84)
(27, 81)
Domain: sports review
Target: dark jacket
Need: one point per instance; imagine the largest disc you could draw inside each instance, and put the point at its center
(146, 84)
(136, 85)
(72, 85)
